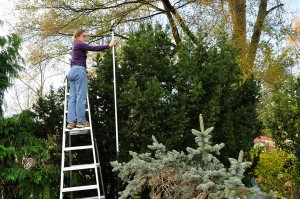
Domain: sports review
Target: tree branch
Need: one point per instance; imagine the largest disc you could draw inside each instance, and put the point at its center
(275, 7)
(258, 28)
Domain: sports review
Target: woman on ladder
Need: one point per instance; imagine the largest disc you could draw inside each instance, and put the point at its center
(77, 78)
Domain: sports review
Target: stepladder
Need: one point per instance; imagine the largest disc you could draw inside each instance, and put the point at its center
(80, 163)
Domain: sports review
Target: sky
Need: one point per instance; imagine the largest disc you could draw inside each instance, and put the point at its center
(293, 6)
(8, 15)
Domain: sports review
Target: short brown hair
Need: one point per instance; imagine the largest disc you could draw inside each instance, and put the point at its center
(77, 33)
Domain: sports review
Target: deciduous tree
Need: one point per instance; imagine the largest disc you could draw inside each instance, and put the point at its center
(60, 18)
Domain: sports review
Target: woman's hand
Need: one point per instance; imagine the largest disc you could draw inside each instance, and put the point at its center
(112, 43)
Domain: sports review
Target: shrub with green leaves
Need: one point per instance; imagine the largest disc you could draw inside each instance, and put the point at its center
(276, 169)
(26, 169)
(197, 174)
(284, 118)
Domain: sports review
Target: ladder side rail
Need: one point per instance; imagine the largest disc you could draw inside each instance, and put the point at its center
(100, 172)
(70, 145)
(92, 140)
(70, 163)
(63, 143)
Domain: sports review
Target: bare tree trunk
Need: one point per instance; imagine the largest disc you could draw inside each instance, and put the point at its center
(169, 8)
(238, 14)
(173, 26)
(258, 27)
(237, 10)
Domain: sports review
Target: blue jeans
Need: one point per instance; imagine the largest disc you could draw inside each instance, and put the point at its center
(77, 77)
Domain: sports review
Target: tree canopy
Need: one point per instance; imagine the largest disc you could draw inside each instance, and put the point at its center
(60, 18)
(9, 61)
(159, 89)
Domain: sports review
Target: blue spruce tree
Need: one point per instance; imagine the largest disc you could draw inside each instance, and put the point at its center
(197, 174)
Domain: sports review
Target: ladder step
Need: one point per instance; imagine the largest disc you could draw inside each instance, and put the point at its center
(94, 197)
(80, 167)
(78, 148)
(79, 188)
(78, 131)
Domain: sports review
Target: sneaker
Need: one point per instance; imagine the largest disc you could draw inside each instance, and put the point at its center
(82, 124)
(71, 125)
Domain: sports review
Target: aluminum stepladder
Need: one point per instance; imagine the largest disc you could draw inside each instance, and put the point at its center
(70, 150)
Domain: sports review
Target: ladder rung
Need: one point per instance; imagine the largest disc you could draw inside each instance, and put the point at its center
(79, 188)
(78, 131)
(94, 197)
(80, 167)
(78, 148)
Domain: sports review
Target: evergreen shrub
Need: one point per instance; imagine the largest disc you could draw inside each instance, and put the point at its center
(195, 174)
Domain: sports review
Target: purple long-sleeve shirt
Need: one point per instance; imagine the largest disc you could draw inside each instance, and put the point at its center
(79, 51)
